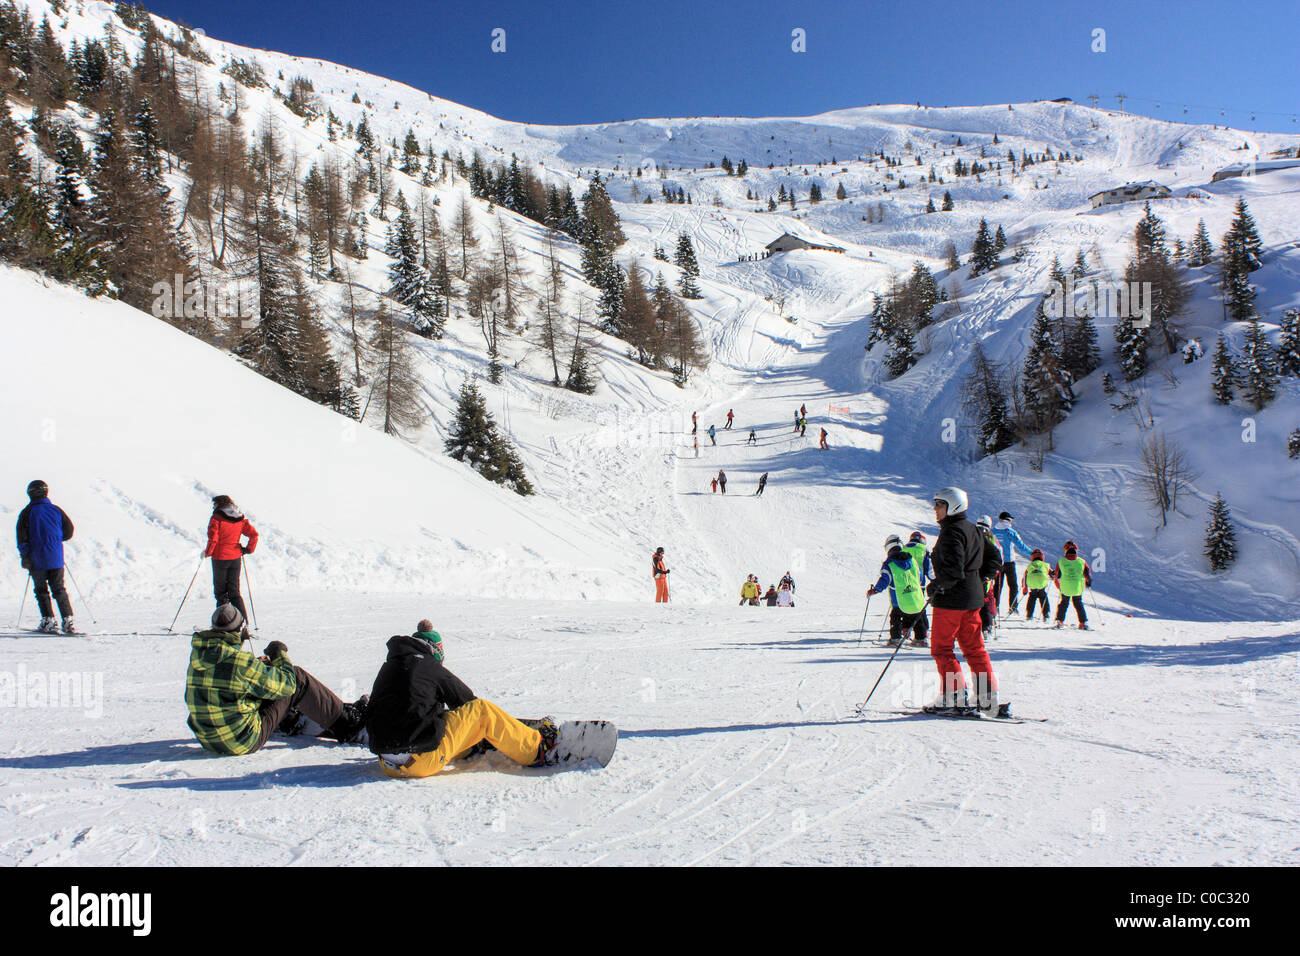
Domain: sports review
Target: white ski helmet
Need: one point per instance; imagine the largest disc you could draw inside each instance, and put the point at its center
(985, 522)
(954, 498)
(893, 541)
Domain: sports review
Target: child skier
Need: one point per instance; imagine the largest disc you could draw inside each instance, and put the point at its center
(421, 716)
(762, 483)
(824, 446)
(1037, 574)
(785, 596)
(713, 434)
(226, 529)
(916, 547)
(770, 596)
(42, 528)
(753, 438)
(899, 574)
(1071, 576)
(713, 483)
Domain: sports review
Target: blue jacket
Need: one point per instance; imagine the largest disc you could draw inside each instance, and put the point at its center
(904, 561)
(1008, 541)
(42, 529)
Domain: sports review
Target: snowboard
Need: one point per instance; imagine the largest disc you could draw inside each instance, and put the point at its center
(581, 740)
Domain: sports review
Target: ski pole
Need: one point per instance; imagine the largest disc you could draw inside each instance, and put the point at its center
(251, 606)
(23, 603)
(864, 618)
(863, 706)
(187, 594)
(1095, 607)
(73, 579)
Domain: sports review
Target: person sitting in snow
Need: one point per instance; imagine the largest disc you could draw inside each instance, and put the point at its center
(236, 699)
(422, 716)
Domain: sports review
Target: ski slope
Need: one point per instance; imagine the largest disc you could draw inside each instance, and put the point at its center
(1170, 726)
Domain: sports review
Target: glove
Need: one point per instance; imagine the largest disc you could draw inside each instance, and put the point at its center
(27, 563)
(932, 589)
(243, 550)
(870, 591)
(1024, 589)
(276, 648)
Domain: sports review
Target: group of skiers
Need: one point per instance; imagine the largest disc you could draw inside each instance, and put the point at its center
(751, 592)
(800, 426)
(961, 579)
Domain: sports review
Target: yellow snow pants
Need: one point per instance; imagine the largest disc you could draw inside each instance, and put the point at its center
(466, 726)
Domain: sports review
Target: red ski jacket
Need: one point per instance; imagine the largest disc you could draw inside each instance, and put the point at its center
(223, 537)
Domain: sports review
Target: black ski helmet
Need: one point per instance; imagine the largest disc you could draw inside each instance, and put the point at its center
(38, 489)
(1005, 516)
(659, 550)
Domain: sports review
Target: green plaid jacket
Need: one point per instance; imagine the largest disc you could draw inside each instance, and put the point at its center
(225, 687)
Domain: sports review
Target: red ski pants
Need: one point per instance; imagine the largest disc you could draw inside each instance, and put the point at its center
(661, 589)
(947, 626)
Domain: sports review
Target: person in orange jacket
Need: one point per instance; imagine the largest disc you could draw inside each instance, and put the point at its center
(661, 576)
(226, 530)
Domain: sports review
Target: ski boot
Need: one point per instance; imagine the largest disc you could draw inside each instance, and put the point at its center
(69, 626)
(920, 642)
(1058, 625)
(292, 724)
(350, 728)
(949, 704)
(1084, 626)
(48, 625)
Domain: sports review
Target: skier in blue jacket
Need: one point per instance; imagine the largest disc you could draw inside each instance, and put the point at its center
(1009, 541)
(42, 528)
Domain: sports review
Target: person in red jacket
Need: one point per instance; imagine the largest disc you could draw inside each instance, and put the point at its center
(226, 529)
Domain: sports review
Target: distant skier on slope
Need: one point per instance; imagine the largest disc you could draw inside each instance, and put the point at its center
(762, 483)
(823, 444)
(236, 700)
(770, 596)
(990, 574)
(1009, 541)
(713, 434)
(695, 423)
(749, 591)
(722, 481)
(730, 417)
(753, 438)
(956, 594)
(788, 581)
(41, 530)
(226, 529)
(900, 576)
(1071, 576)
(422, 716)
(1037, 574)
(660, 572)
(696, 442)
(785, 596)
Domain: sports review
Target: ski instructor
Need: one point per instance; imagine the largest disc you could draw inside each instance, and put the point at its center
(956, 594)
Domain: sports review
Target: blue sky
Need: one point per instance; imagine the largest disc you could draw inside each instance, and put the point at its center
(585, 62)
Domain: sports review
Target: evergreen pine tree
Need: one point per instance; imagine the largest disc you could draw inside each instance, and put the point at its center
(1080, 353)
(395, 387)
(1131, 348)
(1202, 250)
(474, 438)
(1080, 268)
(947, 201)
(1046, 383)
(999, 241)
(1149, 235)
(1258, 376)
(984, 398)
(1220, 538)
(982, 256)
(1288, 346)
(686, 261)
(1293, 444)
(841, 193)
(409, 282)
(1223, 372)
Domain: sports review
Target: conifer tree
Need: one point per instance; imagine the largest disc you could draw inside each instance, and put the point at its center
(409, 283)
(1149, 235)
(686, 261)
(1046, 383)
(474, 438)
(1202, 250)
(841, 193)
(1220, 537)
(1288, 346)
(984, 399)
(929, 205)
(982, 256)
(1080, 268)
(1080, 352)
(640, 321)
(1258, 368)
(999, 241)
(1131, 348)
(1223, 372)
(1241, 256)
(1293, 444)
(947, 201)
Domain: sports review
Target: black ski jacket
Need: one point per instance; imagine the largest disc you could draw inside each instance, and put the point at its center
(411, 695)
(991, 566)
(957, 558)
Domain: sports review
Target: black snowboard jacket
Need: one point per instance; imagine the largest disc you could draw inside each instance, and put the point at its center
(409, 700)
(957, 558)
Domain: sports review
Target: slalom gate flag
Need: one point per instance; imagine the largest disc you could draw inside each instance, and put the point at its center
(838, 409)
